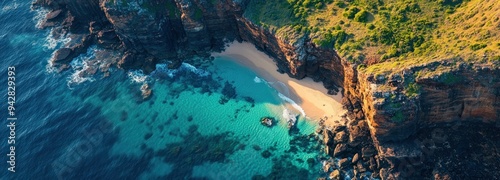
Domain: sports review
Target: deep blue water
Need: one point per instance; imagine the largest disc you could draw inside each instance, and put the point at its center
(102, 129)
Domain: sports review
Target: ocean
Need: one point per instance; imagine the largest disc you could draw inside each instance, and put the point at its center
(199, 123)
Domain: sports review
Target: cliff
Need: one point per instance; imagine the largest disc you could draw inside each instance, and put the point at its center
(395, 107)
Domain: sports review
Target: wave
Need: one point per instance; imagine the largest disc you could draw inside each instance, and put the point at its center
(294, 105)
(257, 80)
(191, 68)
(162, 70)
(52, 43)
(39, 18)
(137, 76)
(81, 64)
(12, 6)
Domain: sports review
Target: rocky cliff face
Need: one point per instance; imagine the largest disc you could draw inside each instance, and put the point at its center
(152, 31)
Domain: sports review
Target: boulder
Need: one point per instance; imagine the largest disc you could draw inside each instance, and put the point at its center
(52, 15)
(361, 167)
(355, 158)
(328, 138)
(146, 91)
(61, 56)
(267, 121)
(335, 175)
(367, 152)
(326, 167)
(341, 137)
(127, 61)
(340, 150)
(343, 163)
(107, 35)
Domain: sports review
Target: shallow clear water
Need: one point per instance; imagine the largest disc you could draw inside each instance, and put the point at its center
(101, 128)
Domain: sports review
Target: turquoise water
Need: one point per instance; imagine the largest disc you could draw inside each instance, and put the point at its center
(192, 134)
(198, 124)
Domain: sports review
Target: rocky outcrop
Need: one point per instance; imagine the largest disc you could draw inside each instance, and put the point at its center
(384, 115)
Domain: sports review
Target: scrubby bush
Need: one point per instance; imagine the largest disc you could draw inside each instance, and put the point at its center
(476, 46)
(350, 13)
(371, 26)
(332, 39)
(361, 16)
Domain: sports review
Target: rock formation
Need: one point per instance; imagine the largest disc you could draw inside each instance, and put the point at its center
(384, 117)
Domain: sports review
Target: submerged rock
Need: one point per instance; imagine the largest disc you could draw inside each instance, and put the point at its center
(146, 91)
(267, 121)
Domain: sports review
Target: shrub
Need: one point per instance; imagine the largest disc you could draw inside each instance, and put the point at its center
(350, 13)
(318, 5)
(398, 117)
(449, 79)
(477, 46)
(332, 39)
(361, 16)
(371, 26)
(340, 4)
(412, 89)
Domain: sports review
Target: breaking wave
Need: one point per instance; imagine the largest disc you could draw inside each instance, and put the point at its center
(162, 70)
(79, 65)
(294, 105)
(257, 80)
(39, 18)
(52, 43)
(12, 6)
(137, 76)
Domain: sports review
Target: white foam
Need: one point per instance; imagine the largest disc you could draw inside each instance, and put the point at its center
(79, 65)
(162, 69)
(12, 6)
(257, 80)
(137, 76)
(39, 18)
(189, 67)
(52, 43)
(294, 105)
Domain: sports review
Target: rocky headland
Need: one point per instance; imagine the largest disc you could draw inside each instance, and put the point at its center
(431, 120)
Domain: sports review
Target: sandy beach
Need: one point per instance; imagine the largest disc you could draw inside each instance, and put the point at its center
(310, 95)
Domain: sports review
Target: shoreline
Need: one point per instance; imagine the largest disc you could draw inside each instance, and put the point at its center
(310, 95)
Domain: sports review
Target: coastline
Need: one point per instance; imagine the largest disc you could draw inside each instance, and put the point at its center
(310, 95)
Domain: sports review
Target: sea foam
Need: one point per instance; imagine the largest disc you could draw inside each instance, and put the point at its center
(52, 43)
(79, 65)
(12, 6)
(294, 105)
(137, 76)
(257, 80)
(39, 18)
(162, 70)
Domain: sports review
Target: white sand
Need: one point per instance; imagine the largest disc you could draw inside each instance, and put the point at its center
(310, 95)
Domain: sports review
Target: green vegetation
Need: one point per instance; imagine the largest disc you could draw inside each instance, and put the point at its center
(173, 11)
(332, 39)
(412, 89)
(476, 47)
(361, 16)
(388, 36)
(398, 117)
(198, 14)
(392, 33)
(449, 79)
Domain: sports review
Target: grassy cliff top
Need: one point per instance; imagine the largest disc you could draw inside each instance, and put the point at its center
(389, 35)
